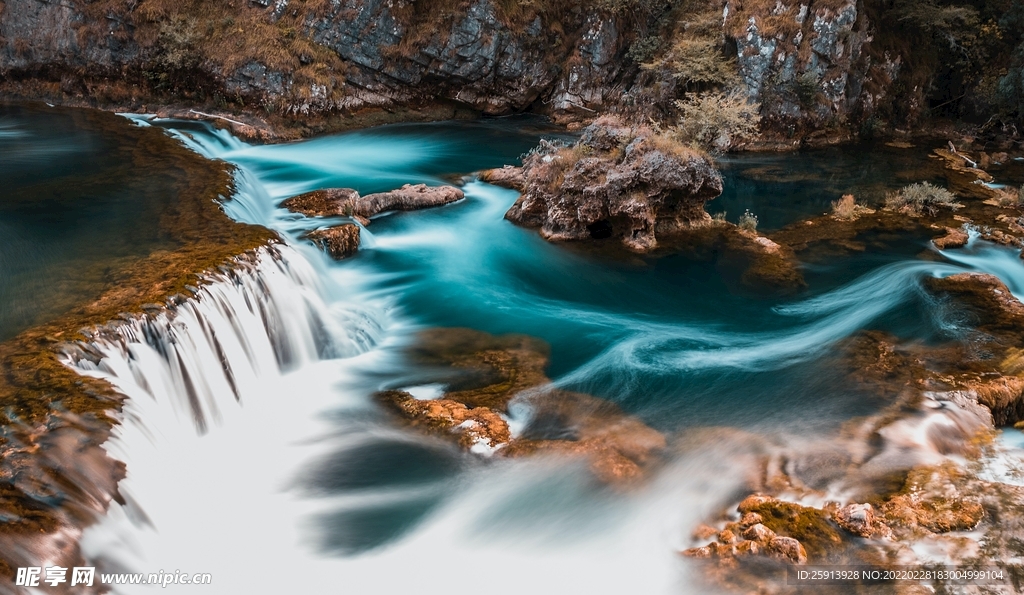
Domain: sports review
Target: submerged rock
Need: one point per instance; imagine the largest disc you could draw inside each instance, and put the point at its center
(621, 448)
(628, 183)
(339, 242)
(346, 202)
(934, 499)
(478, 429)
(482, 375)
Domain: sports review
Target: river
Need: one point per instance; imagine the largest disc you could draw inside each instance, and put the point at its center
(255, 452)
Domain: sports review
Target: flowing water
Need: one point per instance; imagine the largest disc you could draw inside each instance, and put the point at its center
(255, 453)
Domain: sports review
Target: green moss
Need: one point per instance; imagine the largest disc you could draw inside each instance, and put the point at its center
(810, 526)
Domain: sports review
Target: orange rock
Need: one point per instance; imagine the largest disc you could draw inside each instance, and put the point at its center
(748, 548)
(704, 532)
(750, 518)
(474, 427)
(703, 551)
(339, 242)
(759, 533)
(727, 536)
(323, 203)
(860, 519)
(753, 501)
(786, 548)
(954, 238)
(508, 177)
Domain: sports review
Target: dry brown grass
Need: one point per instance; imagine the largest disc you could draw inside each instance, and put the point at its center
(697, 61)
(847, 209)
(693, 52)
(1011, 197)
(771, 21)
(670, 145)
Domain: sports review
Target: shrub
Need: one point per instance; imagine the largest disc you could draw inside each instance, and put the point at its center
(636, 7)
(644, 49)
(718, 217)
(847, 209)
(1011, 197)
(748, 221)
(716, 120)
(698, 61)
(806, 88)
(921, 198)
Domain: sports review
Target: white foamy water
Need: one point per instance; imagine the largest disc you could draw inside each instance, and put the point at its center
(224, 500)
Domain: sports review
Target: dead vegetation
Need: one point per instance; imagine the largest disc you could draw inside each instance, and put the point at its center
(694, 55)
(921, 199)
(847, 209)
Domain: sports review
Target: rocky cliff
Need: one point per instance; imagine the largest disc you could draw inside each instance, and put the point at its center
(825, 67)
(303, 57)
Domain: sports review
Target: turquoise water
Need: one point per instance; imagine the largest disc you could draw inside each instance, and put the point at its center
(672, 339)
(74, 200)
(667, 338)
(782, 187)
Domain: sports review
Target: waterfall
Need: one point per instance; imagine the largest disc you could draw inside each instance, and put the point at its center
(249, 322)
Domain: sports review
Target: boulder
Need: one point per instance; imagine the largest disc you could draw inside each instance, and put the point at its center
(478, 429)
(407, 198)
(334, 202)
(786, 548)
(330, 202)
(339, 242)
(954, 238)
(759, 533)
(506, 177)
(624, 182)
(861, 520)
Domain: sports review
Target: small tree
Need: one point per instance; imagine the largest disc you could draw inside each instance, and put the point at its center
(716, 120)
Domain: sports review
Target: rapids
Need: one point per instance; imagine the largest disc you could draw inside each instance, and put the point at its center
(255, 454)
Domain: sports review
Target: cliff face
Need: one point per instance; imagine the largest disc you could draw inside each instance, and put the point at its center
(814, 66)
(479, 59)
(323, 56)
(808, 62)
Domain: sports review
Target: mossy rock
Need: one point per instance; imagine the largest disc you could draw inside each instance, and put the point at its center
(810, 526)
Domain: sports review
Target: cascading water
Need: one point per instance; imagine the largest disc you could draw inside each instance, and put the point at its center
(294, 472)
(248, 324)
